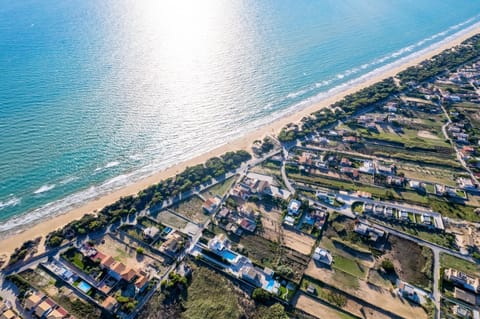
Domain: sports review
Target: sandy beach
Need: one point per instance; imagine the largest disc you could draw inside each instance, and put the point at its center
(7, 245)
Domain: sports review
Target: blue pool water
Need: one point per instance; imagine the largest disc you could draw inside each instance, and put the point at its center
(85, 287)
(97, 94)
(270, 285)
(229, 255)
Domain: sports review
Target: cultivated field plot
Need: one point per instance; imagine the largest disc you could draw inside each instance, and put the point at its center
(412, 262)
(124, 251)
(271, 226)
(169, 219)
(370, 293)
(192, 209)
(298, 241)
(427, 174)
(329, 296)
(318, 309)
(273, 255)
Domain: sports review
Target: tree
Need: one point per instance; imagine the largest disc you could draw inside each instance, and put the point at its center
(388, 266)
(277, 311)
(261, 295)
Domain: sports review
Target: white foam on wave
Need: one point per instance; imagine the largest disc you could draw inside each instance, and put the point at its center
(136, 157)
(297, 94)
(382, 60)
(68, 180)
(45, 188)
(10, 202)
(107, 166)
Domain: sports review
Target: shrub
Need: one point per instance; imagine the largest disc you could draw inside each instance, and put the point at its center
(387, 265)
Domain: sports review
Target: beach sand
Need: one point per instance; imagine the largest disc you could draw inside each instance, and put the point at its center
(7, 245)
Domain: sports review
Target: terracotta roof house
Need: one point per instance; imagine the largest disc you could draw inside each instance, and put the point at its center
(32, 301)
(109, 303)
(9, 314)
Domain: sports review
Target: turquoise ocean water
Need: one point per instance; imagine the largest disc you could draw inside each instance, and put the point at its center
(95, 94)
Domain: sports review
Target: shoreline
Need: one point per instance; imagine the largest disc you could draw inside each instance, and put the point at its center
(16, 238)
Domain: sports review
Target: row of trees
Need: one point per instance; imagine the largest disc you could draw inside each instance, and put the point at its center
(352, 103)
(191, 177)
(447, 60)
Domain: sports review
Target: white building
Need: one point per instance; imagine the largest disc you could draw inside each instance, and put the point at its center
(323, 256)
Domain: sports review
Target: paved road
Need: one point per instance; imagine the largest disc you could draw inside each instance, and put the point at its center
(436, 282)
(290, 188)
(454, 145)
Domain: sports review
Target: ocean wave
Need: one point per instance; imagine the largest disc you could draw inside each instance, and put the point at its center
(136, 157)
(376, 62)
(68, 180)
(10, 202)
(294, 95)
(107, 166)
(44, 188)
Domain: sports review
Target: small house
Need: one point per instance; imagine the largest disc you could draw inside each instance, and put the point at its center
(294, 207)
(323, 256)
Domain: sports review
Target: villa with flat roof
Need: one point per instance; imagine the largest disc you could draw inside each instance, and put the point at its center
(462, 279)
(294, 207)
(323, 256)
(240, 266)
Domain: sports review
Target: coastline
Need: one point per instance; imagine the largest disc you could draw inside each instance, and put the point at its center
(14, 240)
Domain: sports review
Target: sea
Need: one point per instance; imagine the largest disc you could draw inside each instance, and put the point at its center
(96, 94)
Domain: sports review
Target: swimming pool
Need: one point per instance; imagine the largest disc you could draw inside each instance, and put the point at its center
(270, 284)
(229, 255)
(83, 286)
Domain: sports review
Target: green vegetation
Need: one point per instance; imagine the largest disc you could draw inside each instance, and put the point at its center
(220, 189)
(211, 296)
(276, 311)
(83, 263)
(349, 266)
(314, 122)
(151, 196)
(453, 210)
(323, 292)
(357, 207)
(79, 308)
(369, 96)
(21, 253)
(387, 265)
(408, 139)
(345, 280)
(22, 285)
(447, 60)
(448, 261)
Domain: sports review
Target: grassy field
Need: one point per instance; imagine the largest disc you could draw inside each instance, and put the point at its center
(442, 239)
(345, 280)
(408, 137)
(447, 261)
(192, 209)
(219, 189)
(349, 266)
(211, 296)
(169, 219)
(378, 192)
(428, 174)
